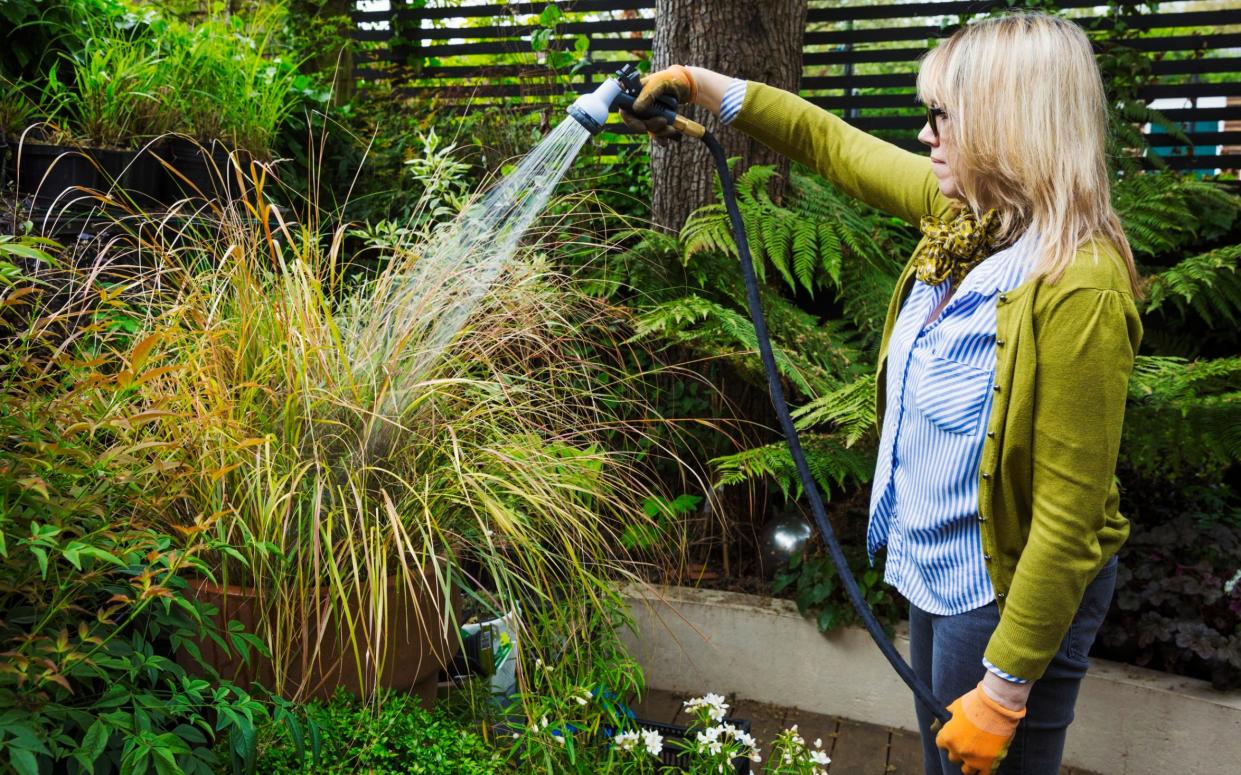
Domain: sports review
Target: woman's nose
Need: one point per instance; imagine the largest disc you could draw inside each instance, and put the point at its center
(927, 137)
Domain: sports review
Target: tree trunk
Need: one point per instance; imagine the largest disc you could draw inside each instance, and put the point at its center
(758, 40)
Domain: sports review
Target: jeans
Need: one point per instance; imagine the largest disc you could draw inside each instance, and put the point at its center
(946, 652)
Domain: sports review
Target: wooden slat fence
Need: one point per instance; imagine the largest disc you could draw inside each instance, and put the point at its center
(859, 60)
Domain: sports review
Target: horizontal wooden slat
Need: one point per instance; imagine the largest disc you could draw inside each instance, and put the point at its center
(514, 45)
(1197, 139)
(1227, 161)
(844, 13)
(1196, 65)
(518, 9)
(1205, 89)
(1230, 113)
(523, 30)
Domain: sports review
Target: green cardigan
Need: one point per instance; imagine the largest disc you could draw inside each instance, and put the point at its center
(1047, 491)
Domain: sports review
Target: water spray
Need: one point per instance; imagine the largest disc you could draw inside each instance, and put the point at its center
(591, 111)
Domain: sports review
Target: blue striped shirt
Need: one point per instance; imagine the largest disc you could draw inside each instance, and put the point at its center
(940, 385)
(730, 104)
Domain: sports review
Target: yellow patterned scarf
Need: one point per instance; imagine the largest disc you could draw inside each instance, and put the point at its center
(954, 246)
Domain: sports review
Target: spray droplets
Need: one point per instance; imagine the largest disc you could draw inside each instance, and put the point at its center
(414, 314)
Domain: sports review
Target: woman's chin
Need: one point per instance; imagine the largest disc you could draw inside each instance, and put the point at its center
(949, 188)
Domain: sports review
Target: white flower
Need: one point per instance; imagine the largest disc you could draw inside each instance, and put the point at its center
(653, 741)
(818, 742)
(543, 722)
(581, 699)
(713, 703)
(558, 738)
(626, 741)
(818, 757)
(1231, 583)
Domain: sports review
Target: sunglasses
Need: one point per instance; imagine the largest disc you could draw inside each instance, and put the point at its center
(932, 117)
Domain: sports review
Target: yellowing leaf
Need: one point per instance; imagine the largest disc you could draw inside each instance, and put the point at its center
(150, 415)
(155, 373)
(220, 472)
(142, 350)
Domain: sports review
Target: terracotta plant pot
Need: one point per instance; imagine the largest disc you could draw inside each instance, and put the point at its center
(417, 642)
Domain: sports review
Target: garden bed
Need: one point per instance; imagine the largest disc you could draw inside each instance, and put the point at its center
(1129, 720)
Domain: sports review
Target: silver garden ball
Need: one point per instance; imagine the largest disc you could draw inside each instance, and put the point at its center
(784, 535)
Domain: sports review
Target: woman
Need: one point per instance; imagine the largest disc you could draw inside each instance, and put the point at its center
(1003, 368)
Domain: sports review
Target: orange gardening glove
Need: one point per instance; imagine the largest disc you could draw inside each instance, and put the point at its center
(676, 81)
(978, 734)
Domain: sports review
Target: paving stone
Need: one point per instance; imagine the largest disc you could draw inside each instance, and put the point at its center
(861, 749)
(766, 721)
(904, 753)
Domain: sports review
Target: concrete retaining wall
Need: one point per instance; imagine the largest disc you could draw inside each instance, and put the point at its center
(1129, 721)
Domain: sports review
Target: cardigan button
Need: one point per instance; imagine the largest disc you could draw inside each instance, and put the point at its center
(981, 518)
(1000, 595)
(999, 342)
(986, 475)
(991, 434)
(1003, 297)
(987, 557)
(996, 388)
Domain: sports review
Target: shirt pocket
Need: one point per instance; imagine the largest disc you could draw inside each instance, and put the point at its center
(951, 394)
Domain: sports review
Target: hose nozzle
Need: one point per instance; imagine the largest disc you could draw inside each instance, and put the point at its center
(619, 91)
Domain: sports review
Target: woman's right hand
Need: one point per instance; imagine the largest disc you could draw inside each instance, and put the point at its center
(675, 81)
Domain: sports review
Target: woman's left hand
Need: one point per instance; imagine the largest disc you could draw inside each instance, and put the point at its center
(979, 733)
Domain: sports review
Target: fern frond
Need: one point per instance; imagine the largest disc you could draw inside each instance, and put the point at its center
(1184, 417)
(806, 254)
(1208, 284)
(831, 463)
(850, 408)
(707, 229)
(1164, 211)
(695, 320)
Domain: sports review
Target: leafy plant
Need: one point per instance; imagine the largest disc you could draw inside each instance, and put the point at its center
(393, 735)
(813, 579)
(1163, 213)
(1184, 417)
(1178, 605)
(97, 663)
(790, 755)
(18, 109)
(543, 42)
(442, 178)
(109, 91)
(665, 515)
(359, 436)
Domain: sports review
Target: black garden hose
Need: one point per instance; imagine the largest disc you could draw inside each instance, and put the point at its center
(920, 689)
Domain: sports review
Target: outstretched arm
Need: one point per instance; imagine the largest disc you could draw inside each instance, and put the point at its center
(875, 171)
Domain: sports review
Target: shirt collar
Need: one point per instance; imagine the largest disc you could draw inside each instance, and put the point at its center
(1002, 271)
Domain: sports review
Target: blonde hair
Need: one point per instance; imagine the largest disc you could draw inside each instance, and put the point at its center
(1027, 115)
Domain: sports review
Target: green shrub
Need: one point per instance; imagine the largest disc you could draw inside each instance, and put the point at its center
(392, 736)
(1178, 602)
(93, 594)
